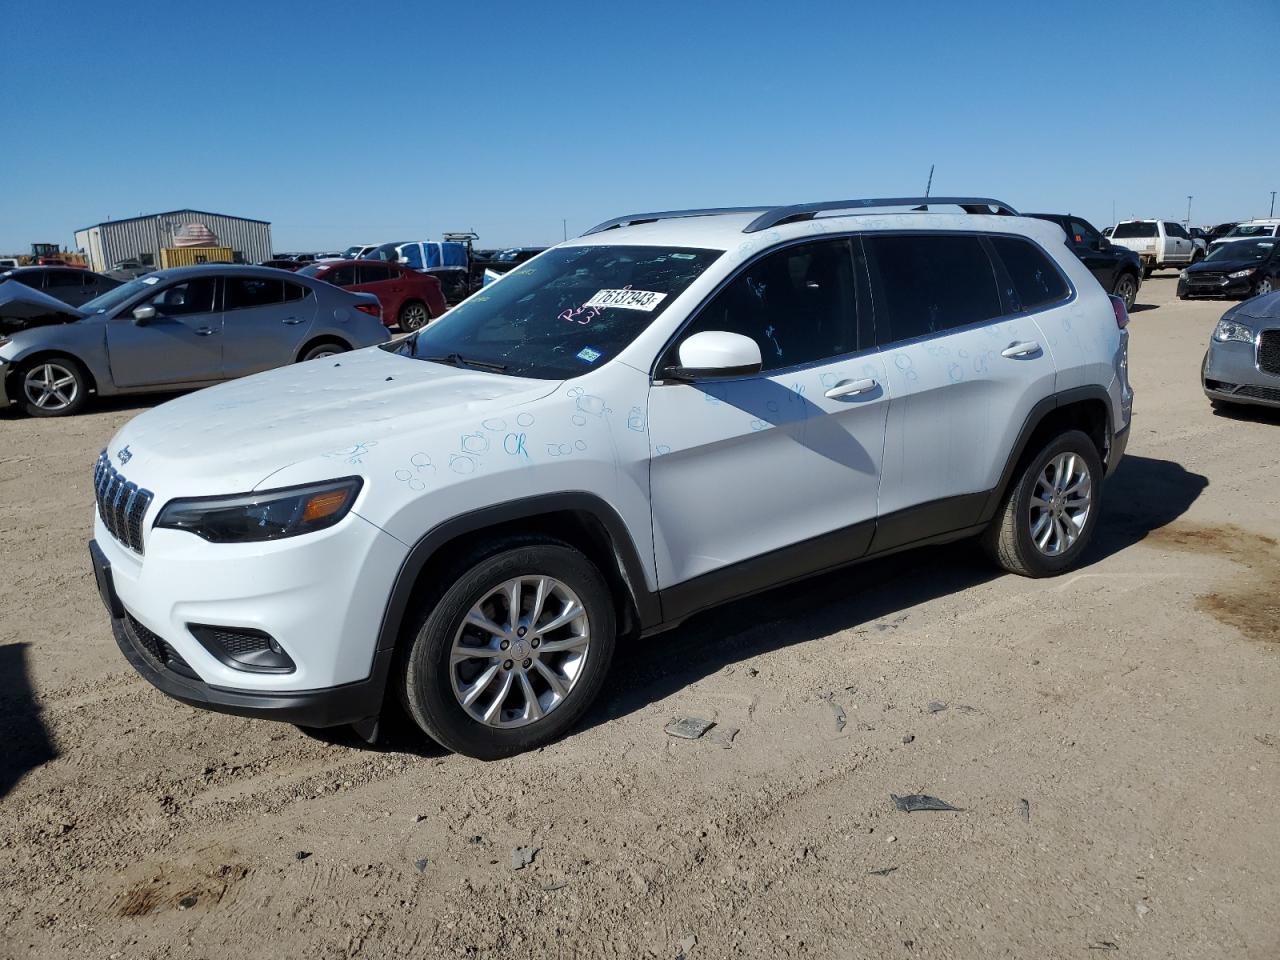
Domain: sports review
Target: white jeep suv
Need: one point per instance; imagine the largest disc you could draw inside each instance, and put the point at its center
(669, 412)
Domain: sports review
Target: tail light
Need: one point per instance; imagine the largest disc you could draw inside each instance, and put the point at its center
(1121, 312)
(375, 309)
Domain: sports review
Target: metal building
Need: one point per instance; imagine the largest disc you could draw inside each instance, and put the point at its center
(142, 238)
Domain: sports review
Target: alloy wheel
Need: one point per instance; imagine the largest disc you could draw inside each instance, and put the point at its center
(414, 316)
(51, 386)
(1264, 287)
(1127, 290)
(519, 651)
(1060, 504)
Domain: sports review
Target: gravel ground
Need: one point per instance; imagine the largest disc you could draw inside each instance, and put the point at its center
(1112, 737)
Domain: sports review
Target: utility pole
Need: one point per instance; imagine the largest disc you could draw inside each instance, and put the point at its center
(1273, 204)
(929, 186)
(564, 227)
(1113, 213)
(1188, 223)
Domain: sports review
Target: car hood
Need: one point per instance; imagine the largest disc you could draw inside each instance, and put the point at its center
(1265, 308)
(19, 301)
(234, 436)
(1221, 265)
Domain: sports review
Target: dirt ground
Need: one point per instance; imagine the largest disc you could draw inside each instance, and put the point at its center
(1112, 737)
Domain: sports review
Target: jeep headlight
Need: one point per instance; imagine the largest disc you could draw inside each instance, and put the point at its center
(1241, 274)
(1228, 330)
(266, 515)
(1184, 275)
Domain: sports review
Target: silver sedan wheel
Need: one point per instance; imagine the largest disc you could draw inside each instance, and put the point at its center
(1060, 504)
(51, 386)
(519, 652)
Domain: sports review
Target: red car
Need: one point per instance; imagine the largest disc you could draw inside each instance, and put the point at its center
(408, 298)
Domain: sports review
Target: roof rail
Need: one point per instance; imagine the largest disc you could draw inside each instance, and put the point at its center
(671, 215)
(807, 211)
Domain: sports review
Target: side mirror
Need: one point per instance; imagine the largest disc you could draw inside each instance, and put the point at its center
(143, 315)
(1104, 243)
(717, 353)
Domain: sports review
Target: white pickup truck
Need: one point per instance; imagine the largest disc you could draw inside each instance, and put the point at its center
(1158, 244)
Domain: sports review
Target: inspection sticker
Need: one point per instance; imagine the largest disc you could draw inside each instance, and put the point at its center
(150, 280)
(589, 355)
(644, 300)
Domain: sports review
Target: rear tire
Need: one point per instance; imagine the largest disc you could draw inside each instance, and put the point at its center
(1126, 289)
(1049, 514)
(55, 387)
(414, 315)
(321, 350)
(509, 691)
(1147, 271)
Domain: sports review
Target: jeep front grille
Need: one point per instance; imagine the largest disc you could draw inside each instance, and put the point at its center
(1269, 352)
(121, 504)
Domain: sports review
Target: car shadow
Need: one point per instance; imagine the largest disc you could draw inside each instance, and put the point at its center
(1247, 413)
(26, 741)
(1144, 495)
(1141, 307)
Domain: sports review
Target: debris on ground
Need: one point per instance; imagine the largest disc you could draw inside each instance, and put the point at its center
(723, 736)
(521, 857)
(688, 728)
(836, 710)
(936, 706)
(186, 903)
(686, 946)
(915, 802)
(752, 672)
(421, 865)
(965, 708)
(908, 738)
(302, 854)
(1104, 945)
(882, 872)
(1025, 810)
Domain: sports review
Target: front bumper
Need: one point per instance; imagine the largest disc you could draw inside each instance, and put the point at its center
(169, 672)
(1217, 288)
(1232, 374)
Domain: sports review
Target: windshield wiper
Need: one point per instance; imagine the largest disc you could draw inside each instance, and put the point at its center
(458, 360)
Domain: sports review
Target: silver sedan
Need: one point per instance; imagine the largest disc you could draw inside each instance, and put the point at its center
(1243, 362)
(181, 329)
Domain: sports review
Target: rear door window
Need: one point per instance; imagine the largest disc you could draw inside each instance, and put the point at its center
(245, 292)
(1035, 281)
(294, 291)
(343, 276)
(373, 273)
(927, 284)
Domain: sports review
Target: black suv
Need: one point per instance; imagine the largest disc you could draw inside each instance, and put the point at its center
(1117, 268)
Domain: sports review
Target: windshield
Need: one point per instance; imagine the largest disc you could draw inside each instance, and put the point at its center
(113, 298)
(564, 313)
(1242, 250)
(1134, 228)
(1253, 230)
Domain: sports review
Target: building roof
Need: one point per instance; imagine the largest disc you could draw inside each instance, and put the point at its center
(168, 213)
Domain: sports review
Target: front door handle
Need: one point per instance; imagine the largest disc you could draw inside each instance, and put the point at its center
(205, 331)
(292, 320)
(851, 388)
(1024, 348)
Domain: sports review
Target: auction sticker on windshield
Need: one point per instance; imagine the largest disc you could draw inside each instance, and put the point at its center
(644, 300)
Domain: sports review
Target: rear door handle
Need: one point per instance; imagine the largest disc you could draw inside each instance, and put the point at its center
(851, 388)
(205, 331)
(292, 320)
(1024, 348)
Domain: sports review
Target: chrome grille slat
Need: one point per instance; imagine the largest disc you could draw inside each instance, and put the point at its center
(121, 505)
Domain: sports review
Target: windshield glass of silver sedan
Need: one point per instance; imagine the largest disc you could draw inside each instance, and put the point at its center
(1242, 250)
(564, 313)
(114, 297)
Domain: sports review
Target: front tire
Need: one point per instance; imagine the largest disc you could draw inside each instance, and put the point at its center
(56, 387)
(1264, 286)
(1048, 516)
(512, 652)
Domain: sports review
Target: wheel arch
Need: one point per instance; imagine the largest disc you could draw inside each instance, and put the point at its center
(582, 520)
(317, 341)
(48, 353)
(1083, 408)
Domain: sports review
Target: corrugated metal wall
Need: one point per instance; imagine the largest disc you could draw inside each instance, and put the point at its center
(122, 239)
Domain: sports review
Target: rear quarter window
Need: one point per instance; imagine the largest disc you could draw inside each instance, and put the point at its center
(1035, 280)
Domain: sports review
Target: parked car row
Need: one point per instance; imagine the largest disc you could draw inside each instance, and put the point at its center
(180, 329)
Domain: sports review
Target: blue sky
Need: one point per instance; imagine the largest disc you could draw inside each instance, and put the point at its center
(345, 122)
